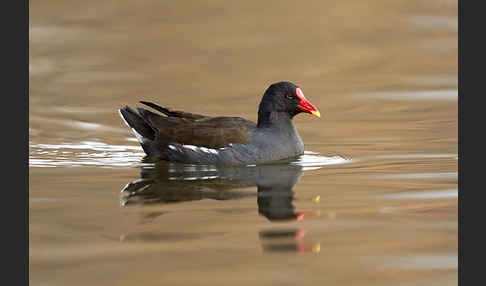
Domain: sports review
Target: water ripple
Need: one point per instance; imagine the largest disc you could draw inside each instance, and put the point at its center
(310, 161)
(448, 94)
(86, 153)
(442, 194)
(95, 153)
(443, 175)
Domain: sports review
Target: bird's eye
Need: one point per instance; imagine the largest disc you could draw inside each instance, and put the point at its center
(289, 96)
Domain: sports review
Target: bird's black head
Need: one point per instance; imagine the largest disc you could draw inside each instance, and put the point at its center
(284, 97)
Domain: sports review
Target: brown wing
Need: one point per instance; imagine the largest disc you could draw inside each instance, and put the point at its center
(216, 132)
(174, 113)
(194, 129)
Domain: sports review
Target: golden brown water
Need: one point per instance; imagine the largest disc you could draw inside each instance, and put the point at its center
(376, 206)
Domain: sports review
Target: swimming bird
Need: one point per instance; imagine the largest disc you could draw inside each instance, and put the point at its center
(184, 137)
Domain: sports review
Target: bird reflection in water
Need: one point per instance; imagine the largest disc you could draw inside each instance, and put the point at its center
(174, 183)
(287, 240)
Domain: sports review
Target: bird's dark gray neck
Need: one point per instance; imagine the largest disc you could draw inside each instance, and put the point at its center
(274, 119)
(276, 135)
(278, 127)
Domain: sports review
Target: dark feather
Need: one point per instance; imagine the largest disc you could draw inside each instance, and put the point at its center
(193, 138)
(174, 113)
(184, 128)
(135, 121)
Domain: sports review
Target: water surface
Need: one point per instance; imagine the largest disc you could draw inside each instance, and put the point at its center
(372, 202)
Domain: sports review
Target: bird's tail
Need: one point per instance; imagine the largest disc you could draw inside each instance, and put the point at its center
(142, 130)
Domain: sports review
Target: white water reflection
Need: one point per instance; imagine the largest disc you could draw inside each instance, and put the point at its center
(442, 194)
(85, 153)
(309, 161)
(83, 125)
(414, 156)
(435, 22)
(416, 95)
(444, 175)
(95, 153)
(431, 261)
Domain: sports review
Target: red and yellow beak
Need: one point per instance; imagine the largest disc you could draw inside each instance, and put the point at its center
(305, 105)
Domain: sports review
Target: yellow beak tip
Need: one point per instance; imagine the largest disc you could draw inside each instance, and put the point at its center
(316, 113)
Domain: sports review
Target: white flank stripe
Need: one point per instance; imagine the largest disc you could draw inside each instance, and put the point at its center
(192, 147)
(202, 149)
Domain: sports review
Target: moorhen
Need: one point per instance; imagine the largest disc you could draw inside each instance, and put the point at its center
(198, 139)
